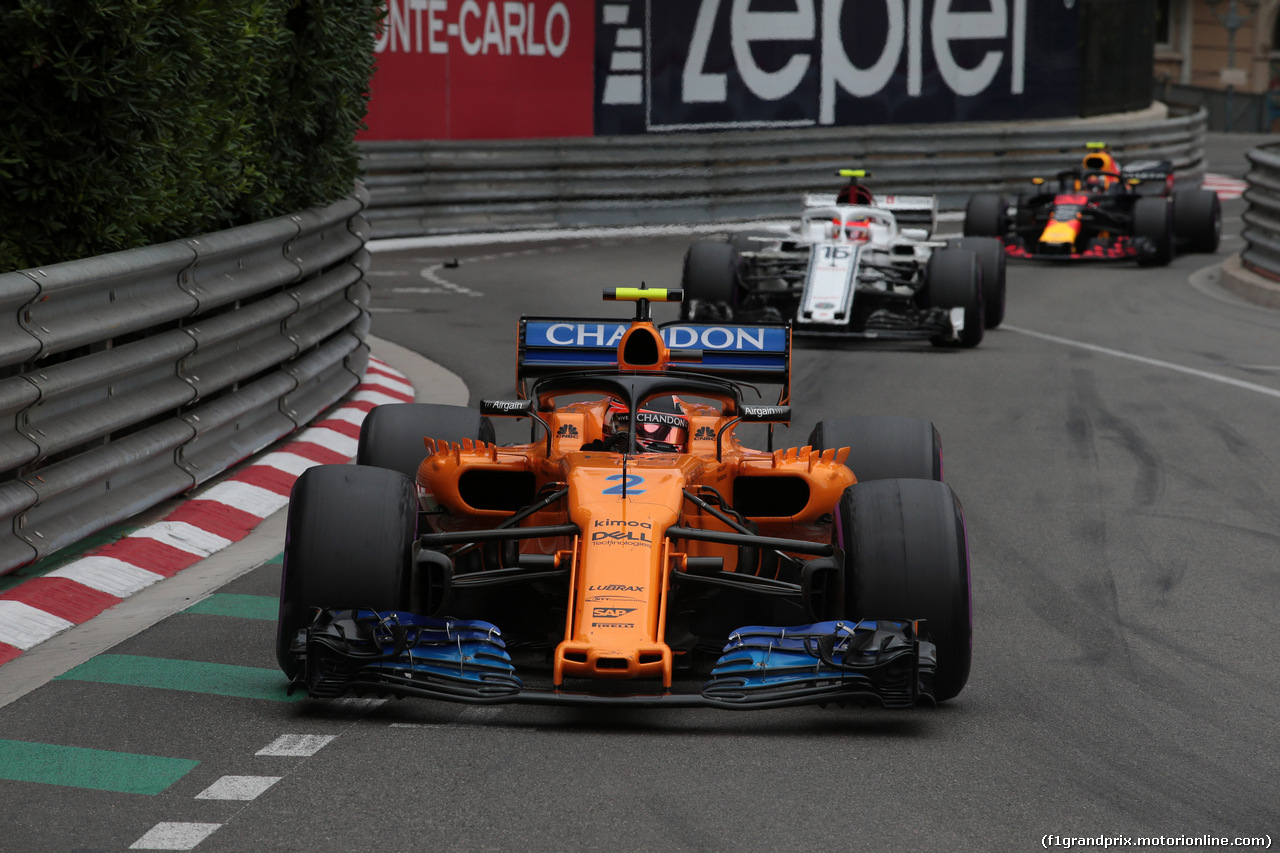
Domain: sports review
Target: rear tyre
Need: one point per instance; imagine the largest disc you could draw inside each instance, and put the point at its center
(907, 557)
(391, 435)
(1197, 220)
(1153, 223)
(992, 259)
(710, 278)
(953, 279)
(883, 447)
(985, 216)
(349, 544)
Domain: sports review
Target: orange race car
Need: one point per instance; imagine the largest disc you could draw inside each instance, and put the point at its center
(634, 552)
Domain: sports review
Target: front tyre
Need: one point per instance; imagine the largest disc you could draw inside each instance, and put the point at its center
(1197, 220)
(710, 279)
(986, 216)
(992, 259)
(907, 557)
(953, 279)
(348, 545)
(1153, 224)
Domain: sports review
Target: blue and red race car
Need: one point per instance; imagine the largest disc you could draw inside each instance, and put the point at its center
(1101, 211)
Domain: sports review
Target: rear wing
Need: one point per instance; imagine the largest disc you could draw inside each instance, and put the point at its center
(911, 211)
(757, 353)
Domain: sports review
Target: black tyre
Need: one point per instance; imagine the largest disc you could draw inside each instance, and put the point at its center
(349, 544)
(391, 435)
(953, 279)
(907, 557)
(883, 447)
(1153, 223)
(1197, 220)
(710, 277)
(991, 258)
(985, 216)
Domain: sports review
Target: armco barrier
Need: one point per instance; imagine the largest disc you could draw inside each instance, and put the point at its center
(1262, 218)
(419, 188)
(128, 378)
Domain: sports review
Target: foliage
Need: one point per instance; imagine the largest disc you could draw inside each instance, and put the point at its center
(132, 122)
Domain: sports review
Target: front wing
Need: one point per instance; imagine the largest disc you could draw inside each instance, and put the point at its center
(401, 653)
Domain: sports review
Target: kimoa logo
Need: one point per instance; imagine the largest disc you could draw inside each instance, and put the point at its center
(618, 522)
(824, 40)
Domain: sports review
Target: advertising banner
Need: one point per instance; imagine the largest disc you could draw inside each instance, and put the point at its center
(483, 69)
(494, 69)
(739, 64)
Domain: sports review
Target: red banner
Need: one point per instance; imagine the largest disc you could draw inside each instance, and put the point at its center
(483, 69)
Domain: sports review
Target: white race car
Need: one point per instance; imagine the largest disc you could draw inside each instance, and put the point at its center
(848, 269)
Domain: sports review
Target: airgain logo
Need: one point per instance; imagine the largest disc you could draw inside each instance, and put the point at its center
(705, 433)
(567, 431)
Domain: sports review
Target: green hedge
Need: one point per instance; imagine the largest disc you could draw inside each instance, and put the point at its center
(130, 122)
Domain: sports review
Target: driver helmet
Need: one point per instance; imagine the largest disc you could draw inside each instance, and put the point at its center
(1100, 161)
(661, 425)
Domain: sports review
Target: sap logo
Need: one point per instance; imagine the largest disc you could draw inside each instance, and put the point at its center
(617, 522)
(822, 38)
(615, 588)
(507, 28)
(611, 612)
(567, 431)
(620, 535)
(705, 434)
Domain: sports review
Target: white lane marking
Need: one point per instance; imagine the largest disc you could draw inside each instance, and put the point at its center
(24, 626)
(296, 746)
(174, 836)
(1151, 362)
(256, 501)
(238, 788)
(184, 537)
(109, 575)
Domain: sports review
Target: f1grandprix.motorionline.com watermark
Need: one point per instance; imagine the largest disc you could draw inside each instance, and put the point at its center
(1107, 841)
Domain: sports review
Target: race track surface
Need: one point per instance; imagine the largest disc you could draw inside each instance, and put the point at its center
(1114, 446)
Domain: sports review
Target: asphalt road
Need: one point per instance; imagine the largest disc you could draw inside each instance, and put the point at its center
(1114, 445)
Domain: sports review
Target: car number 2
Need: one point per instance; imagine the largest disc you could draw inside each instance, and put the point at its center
(627, 486)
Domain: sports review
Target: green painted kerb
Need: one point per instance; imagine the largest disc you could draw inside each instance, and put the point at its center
(98, 769)
(264, 607)
(218, 679)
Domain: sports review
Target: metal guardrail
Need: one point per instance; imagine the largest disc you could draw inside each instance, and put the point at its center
(126, 379)
(441, 187)
(1262, 218)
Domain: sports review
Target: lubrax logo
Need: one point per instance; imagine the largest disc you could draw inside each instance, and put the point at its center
(615, 587)
(620, 535)
(611, 612)
(567, 431)
(617, 522)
